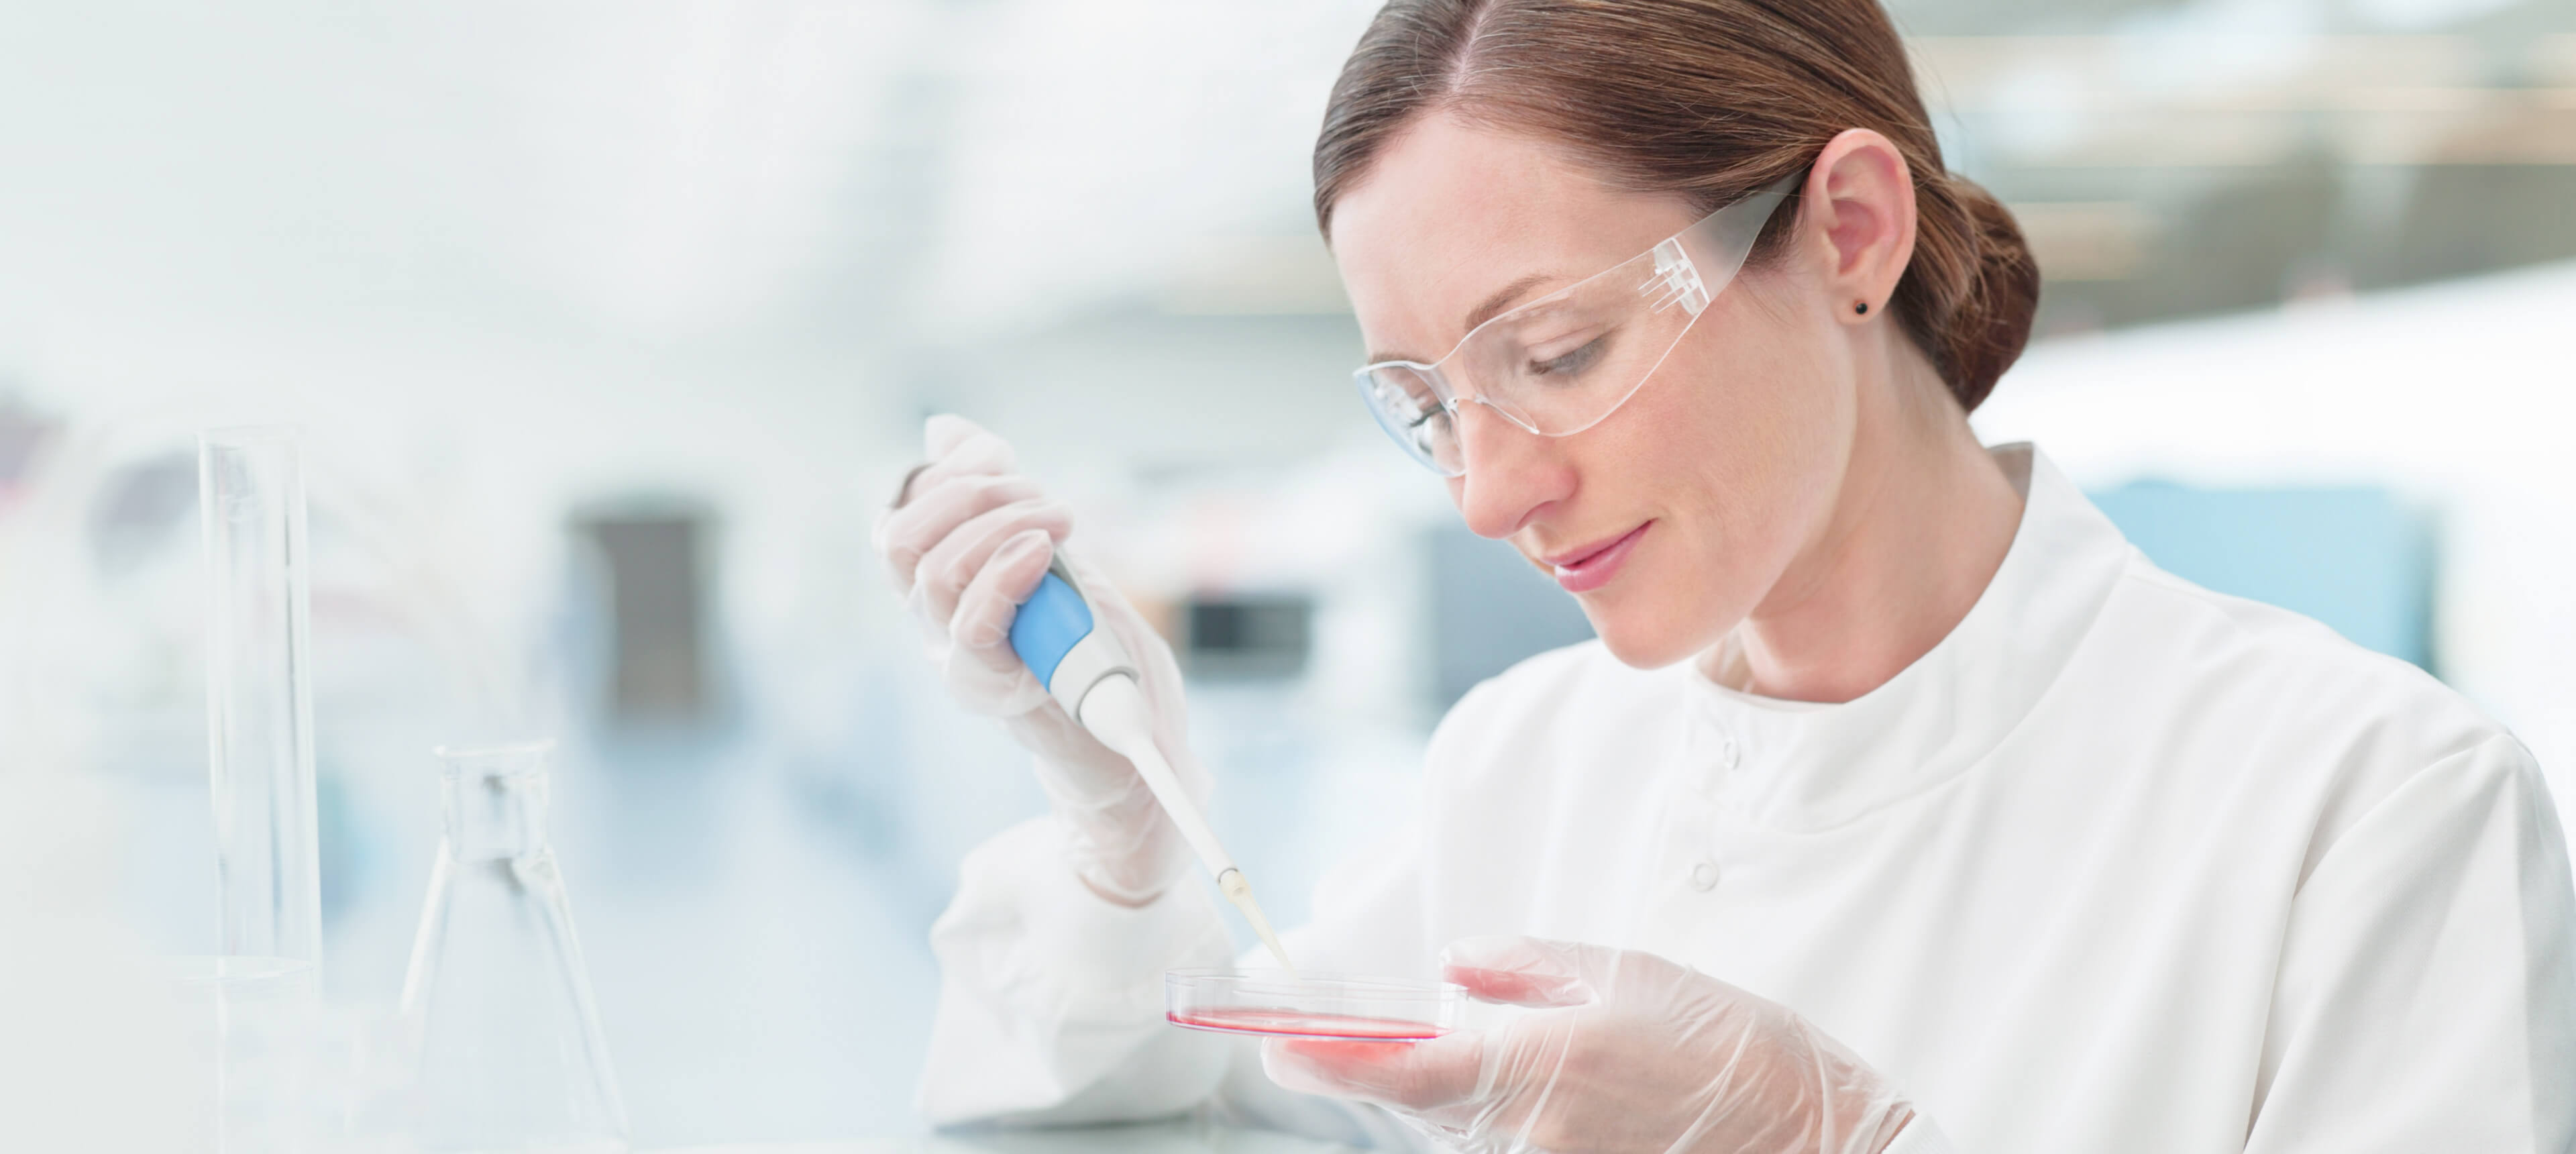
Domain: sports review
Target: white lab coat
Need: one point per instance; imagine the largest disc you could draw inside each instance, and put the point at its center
(2120, 865)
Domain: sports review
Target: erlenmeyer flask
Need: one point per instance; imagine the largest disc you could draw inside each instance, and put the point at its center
(511, 1056)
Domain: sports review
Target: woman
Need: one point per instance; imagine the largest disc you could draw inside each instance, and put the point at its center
(1900, 804)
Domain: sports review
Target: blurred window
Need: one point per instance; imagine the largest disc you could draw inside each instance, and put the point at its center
(2350, 557)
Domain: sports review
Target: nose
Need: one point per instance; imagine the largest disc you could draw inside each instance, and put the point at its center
(1512, 473)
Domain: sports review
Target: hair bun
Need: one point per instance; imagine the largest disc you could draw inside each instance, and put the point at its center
(1990, 322)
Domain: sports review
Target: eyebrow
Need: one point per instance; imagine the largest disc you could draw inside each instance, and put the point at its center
(1484, 311)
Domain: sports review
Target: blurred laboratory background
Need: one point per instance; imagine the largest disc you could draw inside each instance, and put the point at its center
(611, 327)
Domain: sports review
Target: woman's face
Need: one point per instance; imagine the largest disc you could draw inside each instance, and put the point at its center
(1674, 517)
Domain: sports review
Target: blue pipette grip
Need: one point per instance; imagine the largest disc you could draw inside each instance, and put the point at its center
(1051, 621)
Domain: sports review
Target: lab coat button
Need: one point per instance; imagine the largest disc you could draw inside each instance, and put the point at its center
(1703, 876)
(1726, 753)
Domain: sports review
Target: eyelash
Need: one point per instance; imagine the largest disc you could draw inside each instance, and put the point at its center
(1589, 349)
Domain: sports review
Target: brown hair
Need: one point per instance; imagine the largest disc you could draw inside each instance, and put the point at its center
(1709, 99)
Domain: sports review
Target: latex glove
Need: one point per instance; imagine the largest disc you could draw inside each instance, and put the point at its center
(966, 542)
(1625, 1052)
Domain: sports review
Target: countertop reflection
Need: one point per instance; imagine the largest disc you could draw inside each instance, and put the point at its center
(1179, 1136)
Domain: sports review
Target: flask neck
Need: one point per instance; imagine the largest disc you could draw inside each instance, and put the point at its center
(493, 801)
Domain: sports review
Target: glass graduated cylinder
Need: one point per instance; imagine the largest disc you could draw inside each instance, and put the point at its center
(511, 1054)
(259, 701)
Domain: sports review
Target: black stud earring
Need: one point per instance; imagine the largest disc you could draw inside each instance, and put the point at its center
(1861, 307)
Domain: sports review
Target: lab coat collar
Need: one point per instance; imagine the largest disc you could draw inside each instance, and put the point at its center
(1801, 766)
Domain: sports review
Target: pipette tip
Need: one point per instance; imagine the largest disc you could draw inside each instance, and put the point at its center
(1239, 891)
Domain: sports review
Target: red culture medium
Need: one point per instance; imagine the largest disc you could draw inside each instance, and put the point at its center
(1298, 1024)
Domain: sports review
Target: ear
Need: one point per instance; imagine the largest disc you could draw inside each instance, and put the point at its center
(1859, 216)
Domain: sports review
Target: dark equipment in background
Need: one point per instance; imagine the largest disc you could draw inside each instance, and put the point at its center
(656, 588)
(1247, 636)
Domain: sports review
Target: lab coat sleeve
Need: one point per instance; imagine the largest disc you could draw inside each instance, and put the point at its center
(2426, 996)
(1051, 998)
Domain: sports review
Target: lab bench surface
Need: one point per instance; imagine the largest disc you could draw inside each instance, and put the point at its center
(1177, 1137)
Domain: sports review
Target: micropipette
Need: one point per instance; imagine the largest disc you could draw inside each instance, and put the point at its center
(1089, 673)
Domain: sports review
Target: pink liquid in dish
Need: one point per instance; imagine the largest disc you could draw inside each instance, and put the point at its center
(1300, 1024)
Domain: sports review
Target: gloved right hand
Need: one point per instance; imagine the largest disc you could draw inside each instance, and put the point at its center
(966, 542)
(1623, 1052)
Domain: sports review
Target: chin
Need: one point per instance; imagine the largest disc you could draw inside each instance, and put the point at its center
(1642, 640)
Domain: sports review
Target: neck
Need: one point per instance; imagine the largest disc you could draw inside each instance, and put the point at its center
(1922, 521)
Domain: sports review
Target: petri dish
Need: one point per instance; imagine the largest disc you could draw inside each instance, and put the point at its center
(1347, 1007)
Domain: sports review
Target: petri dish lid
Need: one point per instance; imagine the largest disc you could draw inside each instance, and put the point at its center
(1347, 1007)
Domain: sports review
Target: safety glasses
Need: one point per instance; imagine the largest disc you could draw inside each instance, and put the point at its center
(1558, 365)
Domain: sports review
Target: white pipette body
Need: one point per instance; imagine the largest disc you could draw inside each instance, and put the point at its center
(1114, 711)
(1089, 673)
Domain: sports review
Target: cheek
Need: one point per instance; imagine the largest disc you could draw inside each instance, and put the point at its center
(1758, 426)
(1738, 445)
(1787, 402)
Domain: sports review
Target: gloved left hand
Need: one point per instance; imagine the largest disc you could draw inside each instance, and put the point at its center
(1625, 1051)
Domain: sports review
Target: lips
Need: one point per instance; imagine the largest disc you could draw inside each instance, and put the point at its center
(1592, 566)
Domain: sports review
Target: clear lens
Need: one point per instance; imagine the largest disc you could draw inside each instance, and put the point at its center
(1560, 364)
(1410, 406)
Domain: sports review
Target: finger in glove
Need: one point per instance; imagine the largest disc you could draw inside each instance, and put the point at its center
(1522, 971)
(953, 564)
(904, 536)
(989, 603)
(1409, 1075)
